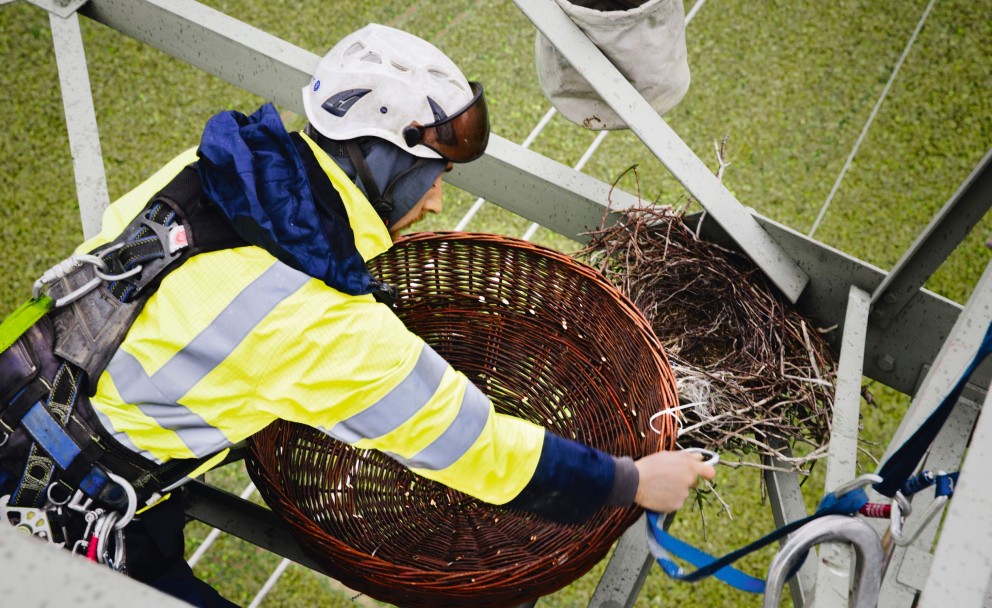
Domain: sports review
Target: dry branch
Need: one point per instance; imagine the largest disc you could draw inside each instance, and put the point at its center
(758, 372)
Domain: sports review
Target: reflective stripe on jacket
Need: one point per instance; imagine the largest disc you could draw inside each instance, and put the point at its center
(234, 339)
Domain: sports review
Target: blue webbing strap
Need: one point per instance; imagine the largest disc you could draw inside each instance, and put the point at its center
(707, 565)
(945, 483)
(39, 468)
(60, 447)
(52, 437)
(900, 466)
(658, 537)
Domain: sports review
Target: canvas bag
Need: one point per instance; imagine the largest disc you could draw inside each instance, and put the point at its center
(646, 43)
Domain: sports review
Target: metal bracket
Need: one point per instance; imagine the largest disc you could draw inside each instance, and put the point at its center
(34, 522)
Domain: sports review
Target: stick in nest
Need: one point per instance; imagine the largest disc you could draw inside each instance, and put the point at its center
(736, 343)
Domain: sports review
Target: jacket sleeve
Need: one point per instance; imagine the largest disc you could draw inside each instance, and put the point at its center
(572, 481)
(354, 371)
(358, 374)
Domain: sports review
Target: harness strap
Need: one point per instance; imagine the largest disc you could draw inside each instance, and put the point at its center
(382, 206)
(69, 449)
(39, 468)
(19, 321)
(84, 455)
(21, 403)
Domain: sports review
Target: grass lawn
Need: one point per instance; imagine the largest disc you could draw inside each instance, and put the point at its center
(791, 83)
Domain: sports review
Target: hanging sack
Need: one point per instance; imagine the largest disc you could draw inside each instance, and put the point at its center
(645, 40)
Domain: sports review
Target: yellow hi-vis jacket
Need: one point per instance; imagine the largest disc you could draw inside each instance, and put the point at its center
(234, 339)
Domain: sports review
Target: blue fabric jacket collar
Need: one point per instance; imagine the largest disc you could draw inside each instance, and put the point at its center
(250, 168)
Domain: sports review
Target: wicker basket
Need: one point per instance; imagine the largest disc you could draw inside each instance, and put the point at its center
(547, 339)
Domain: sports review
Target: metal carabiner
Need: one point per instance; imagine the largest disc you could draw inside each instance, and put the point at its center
(831, 528)
(105, 525)
(91, 517)
(119, 561)
(132, 500)
(902, 508)
(711, 457)
(867, 479)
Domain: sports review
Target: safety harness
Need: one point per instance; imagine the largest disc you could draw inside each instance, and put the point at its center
(78, 485)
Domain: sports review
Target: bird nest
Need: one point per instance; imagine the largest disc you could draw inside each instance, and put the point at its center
(547, 339)
(754, 375)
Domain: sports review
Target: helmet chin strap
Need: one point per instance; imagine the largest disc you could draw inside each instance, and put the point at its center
(382, 206)
(382, 203)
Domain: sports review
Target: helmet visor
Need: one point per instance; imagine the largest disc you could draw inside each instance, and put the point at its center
(459, 138)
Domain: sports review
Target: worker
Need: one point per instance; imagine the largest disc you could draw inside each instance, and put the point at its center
(231, 290)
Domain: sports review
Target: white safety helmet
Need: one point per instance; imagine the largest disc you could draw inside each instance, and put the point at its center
(386, 83)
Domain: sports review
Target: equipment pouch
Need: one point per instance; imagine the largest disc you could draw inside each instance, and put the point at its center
(644, 39)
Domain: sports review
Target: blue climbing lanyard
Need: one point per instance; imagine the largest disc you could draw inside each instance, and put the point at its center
(895, 479)
(663, 545)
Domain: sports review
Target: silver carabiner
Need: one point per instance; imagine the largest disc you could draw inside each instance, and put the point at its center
(710, 457)
(132, 500)
(101, 531)
(902, 508)
(867, 479)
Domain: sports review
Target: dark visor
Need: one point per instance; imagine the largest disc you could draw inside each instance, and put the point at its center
(459, 138)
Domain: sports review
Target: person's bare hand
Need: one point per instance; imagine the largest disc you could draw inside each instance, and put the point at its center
(667, 477)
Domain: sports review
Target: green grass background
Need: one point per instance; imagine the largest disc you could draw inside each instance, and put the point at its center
(790, 82)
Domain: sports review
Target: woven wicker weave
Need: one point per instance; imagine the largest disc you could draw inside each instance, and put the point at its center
(547, 339)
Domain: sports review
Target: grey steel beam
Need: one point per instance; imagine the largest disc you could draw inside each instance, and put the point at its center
(80, 121)
(214, 42)
(843, 448)
(36, 573)
(951, 224)
(910, 566)
(950, 362)
(786, 500)
(664, 143)
(833, 575)
(244, 519)
(541, 190)
(961, 572)
(626, 571)
(62, 8)
(522, 181)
